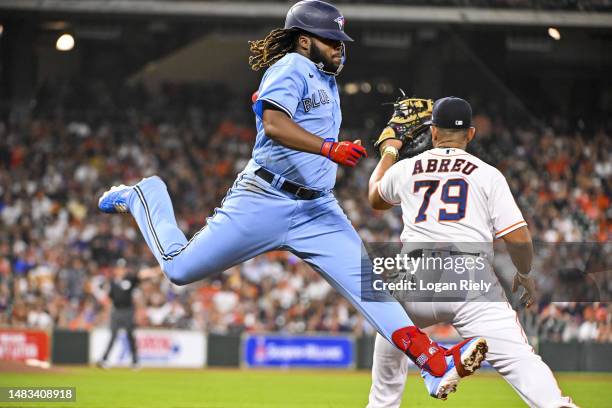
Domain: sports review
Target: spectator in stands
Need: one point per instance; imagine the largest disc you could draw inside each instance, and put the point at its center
(588, 330)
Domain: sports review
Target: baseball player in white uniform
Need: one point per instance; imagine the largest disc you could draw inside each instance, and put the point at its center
(449, 195)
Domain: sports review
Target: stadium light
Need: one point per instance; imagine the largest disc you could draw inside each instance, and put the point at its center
(65, 42)
(554, 33)
(1, 30)
(351, 88)
(384, 88)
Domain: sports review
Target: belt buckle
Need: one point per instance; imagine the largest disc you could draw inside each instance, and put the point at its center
(298, 192)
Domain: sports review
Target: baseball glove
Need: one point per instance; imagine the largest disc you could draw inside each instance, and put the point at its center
(409, 124)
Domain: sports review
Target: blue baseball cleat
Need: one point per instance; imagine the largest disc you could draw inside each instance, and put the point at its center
(115, 200)
(462, 360)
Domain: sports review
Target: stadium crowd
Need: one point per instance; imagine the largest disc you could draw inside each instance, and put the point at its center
(57, 251)
(581, 5)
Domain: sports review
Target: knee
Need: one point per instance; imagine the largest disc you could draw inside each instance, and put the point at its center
(180, 273)
(175, 274)
(178, 279)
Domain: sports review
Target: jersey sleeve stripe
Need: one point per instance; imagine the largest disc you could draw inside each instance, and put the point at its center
(279, 106)
(383, 197)
(511, 228)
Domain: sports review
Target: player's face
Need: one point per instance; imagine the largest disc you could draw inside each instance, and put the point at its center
(329, 52)
(120, 272)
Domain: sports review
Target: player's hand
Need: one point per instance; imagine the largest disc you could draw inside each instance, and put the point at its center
(345, 153)
(528, 297)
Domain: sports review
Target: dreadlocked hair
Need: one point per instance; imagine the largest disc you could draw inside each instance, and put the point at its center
(275, 46)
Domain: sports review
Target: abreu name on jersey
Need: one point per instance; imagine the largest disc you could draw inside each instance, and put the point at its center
(452, 165)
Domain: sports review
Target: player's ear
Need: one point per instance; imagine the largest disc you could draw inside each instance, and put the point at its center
(471, 133)
(434, 135)
(303, 42)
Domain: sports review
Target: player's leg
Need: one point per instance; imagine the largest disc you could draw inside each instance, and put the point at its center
(510, 353)
(110, 345)
(114, 326)
(252, 219)
(327, 241)
(322, 235)
(390, 365)
(389, 374)
(129, 330)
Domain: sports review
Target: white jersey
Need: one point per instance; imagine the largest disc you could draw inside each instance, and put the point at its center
(449, 195)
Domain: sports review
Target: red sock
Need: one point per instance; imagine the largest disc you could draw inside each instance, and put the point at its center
(424, 352)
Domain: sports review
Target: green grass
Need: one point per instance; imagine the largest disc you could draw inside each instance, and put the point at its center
(150, 388)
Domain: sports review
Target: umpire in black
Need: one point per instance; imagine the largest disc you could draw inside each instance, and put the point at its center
(122, 314)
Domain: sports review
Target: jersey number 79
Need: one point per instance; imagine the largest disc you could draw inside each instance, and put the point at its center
(459, 199)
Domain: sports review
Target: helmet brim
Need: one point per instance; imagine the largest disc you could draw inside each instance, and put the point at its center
(330, 34)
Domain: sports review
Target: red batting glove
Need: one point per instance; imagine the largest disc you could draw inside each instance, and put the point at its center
(345, 153)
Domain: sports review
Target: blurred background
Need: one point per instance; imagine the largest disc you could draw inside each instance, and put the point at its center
(97, 92)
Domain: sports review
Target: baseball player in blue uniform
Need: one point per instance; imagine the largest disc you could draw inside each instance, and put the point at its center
(283, 198)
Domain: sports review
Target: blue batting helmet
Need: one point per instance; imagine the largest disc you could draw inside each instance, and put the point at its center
(318, 18)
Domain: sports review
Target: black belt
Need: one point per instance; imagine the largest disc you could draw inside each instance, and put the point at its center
(417, 253)
(300, 192)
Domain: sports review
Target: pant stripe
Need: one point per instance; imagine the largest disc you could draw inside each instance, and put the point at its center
(148, 215)
(171, 255)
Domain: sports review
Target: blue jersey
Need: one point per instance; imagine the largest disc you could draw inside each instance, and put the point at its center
(310, 98)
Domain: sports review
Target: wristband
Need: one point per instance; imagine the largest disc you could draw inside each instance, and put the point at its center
(523, 275)
(326, 147)
(391, 151)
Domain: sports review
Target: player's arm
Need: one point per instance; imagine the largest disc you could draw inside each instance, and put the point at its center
(510, 226)
(283, 130)
(387, 159)
(280, 128)
(106, 294)
(407, 122)
(520, 248)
